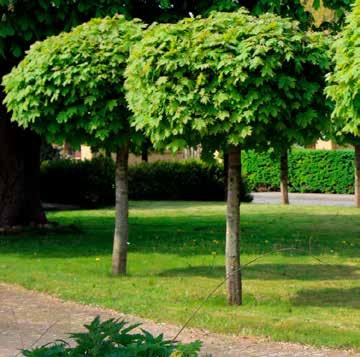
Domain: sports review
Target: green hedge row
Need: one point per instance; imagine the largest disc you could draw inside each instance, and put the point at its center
(321, 171)
(91, 183)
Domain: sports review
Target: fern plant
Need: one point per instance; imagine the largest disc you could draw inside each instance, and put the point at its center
(115, 338)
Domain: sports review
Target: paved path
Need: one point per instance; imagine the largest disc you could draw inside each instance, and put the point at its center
(26, 315)
(306, 199)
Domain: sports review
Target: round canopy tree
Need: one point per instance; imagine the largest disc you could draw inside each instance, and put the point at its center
(231, 80)
(344, 89)
(22, 23)
(70, 87)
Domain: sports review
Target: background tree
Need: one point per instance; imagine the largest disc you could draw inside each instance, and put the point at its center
(231, 79)
(344, 89)
(70, 87)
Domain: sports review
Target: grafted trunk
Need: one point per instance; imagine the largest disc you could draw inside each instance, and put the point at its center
(234, 286)
(284, 177)
(357, 175)
(120, 247)
(20, 203)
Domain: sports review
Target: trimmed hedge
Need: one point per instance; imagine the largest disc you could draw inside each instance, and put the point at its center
(84, 183)
(91, 183)
(317, 171)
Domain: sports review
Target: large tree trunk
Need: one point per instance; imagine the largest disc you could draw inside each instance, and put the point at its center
(233, 273)
(284, 177)
(119, 258)
(357, 176)
(20, 203)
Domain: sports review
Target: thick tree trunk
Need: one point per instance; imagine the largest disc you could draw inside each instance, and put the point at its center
(284, 177)
(119, 258)
(20, 203)
(357, 175)
(233, 273)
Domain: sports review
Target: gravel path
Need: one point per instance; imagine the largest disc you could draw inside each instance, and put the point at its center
(26, 315)
(306, 199)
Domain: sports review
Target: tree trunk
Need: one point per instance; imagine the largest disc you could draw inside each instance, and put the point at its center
(233, 273)
(226, 174)
(119, 258)
(284, 177)
(20, 203)
(357, 176)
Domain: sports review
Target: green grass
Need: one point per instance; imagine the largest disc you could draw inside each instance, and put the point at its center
(176, 257)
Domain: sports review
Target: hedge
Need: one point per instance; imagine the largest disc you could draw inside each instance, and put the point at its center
(91, 183)
(317, 171)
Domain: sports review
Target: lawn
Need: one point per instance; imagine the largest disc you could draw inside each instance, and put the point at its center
(176, 257)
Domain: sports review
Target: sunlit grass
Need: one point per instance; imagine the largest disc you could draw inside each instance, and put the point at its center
(176, 257)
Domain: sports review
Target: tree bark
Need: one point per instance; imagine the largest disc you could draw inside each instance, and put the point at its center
(120, 247)
(357, 175)
(284, 177)
(20, 203)
(226, 173)
(233, 273)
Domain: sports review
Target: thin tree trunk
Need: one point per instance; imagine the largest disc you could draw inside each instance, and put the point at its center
(284, 177)
(226, 174)
(233, 273)
(119, 258)
(357, 176)
(20, 203)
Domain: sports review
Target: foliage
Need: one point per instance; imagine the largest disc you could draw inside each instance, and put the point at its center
(115, 338)
(344, 82)
(322, 171)
(341, 8)
(231, 77)
(23, 22)
(91, 183)
(70, 86)
(187, 180)
(176, 256)
(174, 10)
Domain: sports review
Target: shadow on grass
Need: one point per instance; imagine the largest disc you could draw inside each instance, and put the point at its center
(329, 297)
(188, 233)
(275, 272)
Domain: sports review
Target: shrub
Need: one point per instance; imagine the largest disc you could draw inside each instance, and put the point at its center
(114, 338)
(91, 183)
(84, 183)
(318, 171)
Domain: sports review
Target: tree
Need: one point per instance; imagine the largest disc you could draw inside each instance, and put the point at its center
(22, 23)
(232, 79)
(70, 87)
(295, 9)
(344, 89)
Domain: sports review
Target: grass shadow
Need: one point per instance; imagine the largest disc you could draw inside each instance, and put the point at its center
(328, 297)
(305, 272)
(187, 229)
